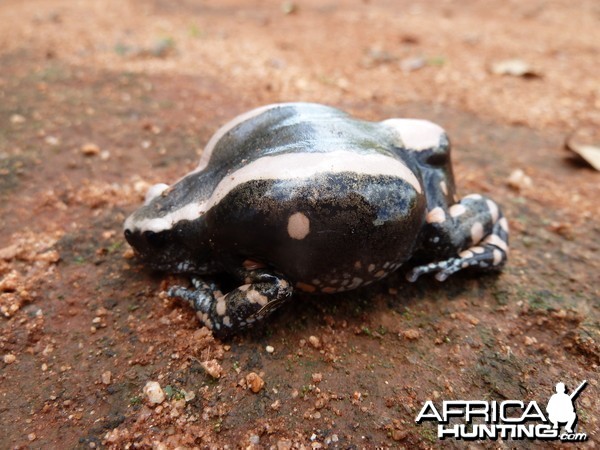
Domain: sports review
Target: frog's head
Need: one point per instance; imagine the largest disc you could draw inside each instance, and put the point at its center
(168, 235)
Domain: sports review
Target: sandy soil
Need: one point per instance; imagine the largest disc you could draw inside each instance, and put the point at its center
(99, 99)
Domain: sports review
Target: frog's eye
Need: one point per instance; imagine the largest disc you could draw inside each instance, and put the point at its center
(155, 239)
(437, 158)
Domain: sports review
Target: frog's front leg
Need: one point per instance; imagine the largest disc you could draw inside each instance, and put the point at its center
(474, 230)
(262, 293)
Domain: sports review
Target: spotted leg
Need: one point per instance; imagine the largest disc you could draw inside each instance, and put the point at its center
(262, 293)
(470, 234)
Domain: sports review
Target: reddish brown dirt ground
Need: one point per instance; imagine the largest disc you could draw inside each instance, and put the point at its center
(99, 99)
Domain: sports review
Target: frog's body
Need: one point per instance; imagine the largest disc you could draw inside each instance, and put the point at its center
(303, 196)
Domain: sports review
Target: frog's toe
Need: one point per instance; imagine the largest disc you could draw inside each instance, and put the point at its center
(442, 269)
(481, 257)
(199, 298)
(201, 283)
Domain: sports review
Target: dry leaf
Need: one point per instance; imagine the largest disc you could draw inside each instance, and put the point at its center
(585, 142)
(515, 68)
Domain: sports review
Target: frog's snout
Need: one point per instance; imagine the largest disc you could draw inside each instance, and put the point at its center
(146, 242)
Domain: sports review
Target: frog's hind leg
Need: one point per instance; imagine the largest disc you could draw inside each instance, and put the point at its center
(476, 230)
(262, 293)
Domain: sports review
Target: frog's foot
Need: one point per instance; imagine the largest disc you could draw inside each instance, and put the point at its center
(480, 257)
(477, 225)
(242, 307)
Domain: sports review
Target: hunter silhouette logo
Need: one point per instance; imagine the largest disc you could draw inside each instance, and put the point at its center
(509, 419)
(561, 408)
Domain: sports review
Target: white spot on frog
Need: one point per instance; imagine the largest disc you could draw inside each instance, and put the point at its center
(356, 282)
(495, 240)
(476, 232)
(254, 296)
(457, 209)
(497, 256)
(298, 226)
(221, 306)
(466, 254)
(436, 215)
(493, 210)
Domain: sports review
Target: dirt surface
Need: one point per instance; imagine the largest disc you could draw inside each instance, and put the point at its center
(100, 99)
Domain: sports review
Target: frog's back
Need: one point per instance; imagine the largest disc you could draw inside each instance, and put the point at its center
(314, 193)
(289, 128)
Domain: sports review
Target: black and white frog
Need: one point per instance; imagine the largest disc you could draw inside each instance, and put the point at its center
(301, 196)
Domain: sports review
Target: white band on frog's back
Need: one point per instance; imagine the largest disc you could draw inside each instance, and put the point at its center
(287, 166)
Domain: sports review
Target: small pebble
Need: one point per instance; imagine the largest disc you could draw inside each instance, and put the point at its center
(9, 358)
(255, 382)
(213, 368)
(399, 435)
(269, 349)
(289, 7)
(411, 334)
(561, 314)
(106, 377)
(17, 118)
(472, 320)
(317, 377)
(284, 444)
(32, 437)
(518, 180)
(52, 140)
(255, 439)
(188, 396)
(90, 149)
(514, 67)
(314, 341)
(154, 392)
(412, 64)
